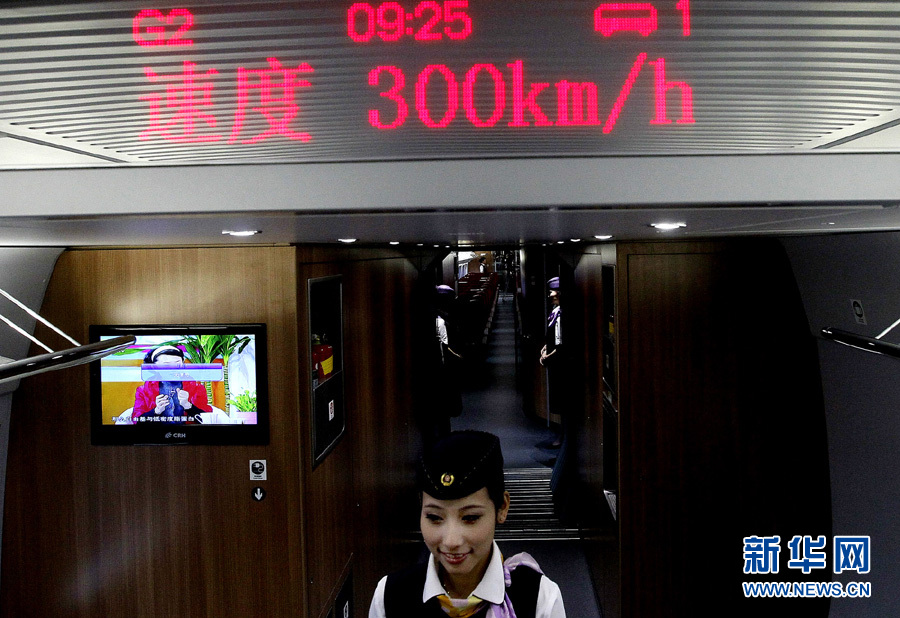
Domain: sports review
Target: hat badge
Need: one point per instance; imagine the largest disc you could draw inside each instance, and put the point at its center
(447, 480)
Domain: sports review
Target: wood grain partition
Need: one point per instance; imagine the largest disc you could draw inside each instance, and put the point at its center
(386, 436)
(722, 431)
(598, 528)
(155, 531)
(533, 376)
(360, 500)
(173, 531)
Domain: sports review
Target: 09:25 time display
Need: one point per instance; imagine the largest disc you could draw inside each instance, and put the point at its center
(428, 21)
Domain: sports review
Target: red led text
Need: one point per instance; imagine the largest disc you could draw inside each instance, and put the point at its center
(279, 109)
(187, 95)
(150, 28)
(184, 115)
(428, 21)
(640, 17)
(439, 94)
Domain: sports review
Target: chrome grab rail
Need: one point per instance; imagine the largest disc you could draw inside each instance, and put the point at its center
(11, 370)
(50, 361)
(861, 342)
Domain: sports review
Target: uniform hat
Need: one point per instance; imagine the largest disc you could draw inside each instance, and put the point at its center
(553, 284)
(460, 464)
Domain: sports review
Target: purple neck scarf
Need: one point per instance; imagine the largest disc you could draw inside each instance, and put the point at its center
(505, 609)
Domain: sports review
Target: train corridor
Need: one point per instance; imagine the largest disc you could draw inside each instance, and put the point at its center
(492, 402)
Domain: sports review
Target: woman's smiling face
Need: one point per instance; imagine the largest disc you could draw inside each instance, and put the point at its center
(460, 535)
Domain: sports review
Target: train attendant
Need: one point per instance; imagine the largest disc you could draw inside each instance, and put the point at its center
(448, 401)
(553, 343)
(463, 499)
(553, 358)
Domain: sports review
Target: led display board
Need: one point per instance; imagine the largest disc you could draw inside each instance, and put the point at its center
(330, 81)
(435, 93)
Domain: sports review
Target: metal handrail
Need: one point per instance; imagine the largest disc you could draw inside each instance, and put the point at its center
(11, 370)
(32, 365)
(861, 342)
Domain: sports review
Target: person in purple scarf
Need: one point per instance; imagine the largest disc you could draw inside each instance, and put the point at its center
(465, 576)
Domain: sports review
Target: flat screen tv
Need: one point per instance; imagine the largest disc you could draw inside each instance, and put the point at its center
(181, 384)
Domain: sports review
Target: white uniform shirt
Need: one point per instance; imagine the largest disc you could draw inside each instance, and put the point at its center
(557, 330)
(441, 331)
(491, 588)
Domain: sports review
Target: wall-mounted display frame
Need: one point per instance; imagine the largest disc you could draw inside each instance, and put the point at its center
(214, 378)
(326, 367)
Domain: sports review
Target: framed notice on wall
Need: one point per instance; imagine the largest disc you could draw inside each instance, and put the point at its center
(326, 367)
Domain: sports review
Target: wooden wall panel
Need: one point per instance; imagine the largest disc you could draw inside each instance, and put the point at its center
(590, 422)
(155, 531)
(361, 500)
(598, 528)
(327, 490)
(532, 375)
(386, 438)
(720, 414)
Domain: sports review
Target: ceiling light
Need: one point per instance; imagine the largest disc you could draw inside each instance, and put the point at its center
(560, 242)
(346, 240)
(575, 239)
(241, 232)
(394, 242)
(603, 236)
(667, 227)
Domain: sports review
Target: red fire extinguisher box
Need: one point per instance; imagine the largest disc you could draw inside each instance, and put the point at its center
(326, 364)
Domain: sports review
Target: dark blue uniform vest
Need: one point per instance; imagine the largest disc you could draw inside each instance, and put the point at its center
(403, 594)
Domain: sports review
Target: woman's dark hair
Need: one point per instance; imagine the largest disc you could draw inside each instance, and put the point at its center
(151, 355)
(497, 493)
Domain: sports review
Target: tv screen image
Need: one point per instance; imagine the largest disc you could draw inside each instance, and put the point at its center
(181, 384)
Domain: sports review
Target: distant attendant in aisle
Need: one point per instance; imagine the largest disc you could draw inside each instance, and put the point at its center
(553, 357)
(448, 398)
(463, 498)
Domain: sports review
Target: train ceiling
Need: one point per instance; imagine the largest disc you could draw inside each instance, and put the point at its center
(136, 83)
(97, 84)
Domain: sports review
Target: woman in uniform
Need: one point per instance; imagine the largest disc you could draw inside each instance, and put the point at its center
(463, 499)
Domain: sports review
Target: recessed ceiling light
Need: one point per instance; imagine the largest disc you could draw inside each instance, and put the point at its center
(241, 232)
(666, 227)
(603, 236)
(560, 242)
(347, 240)
(575, 239)
(394, 242)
